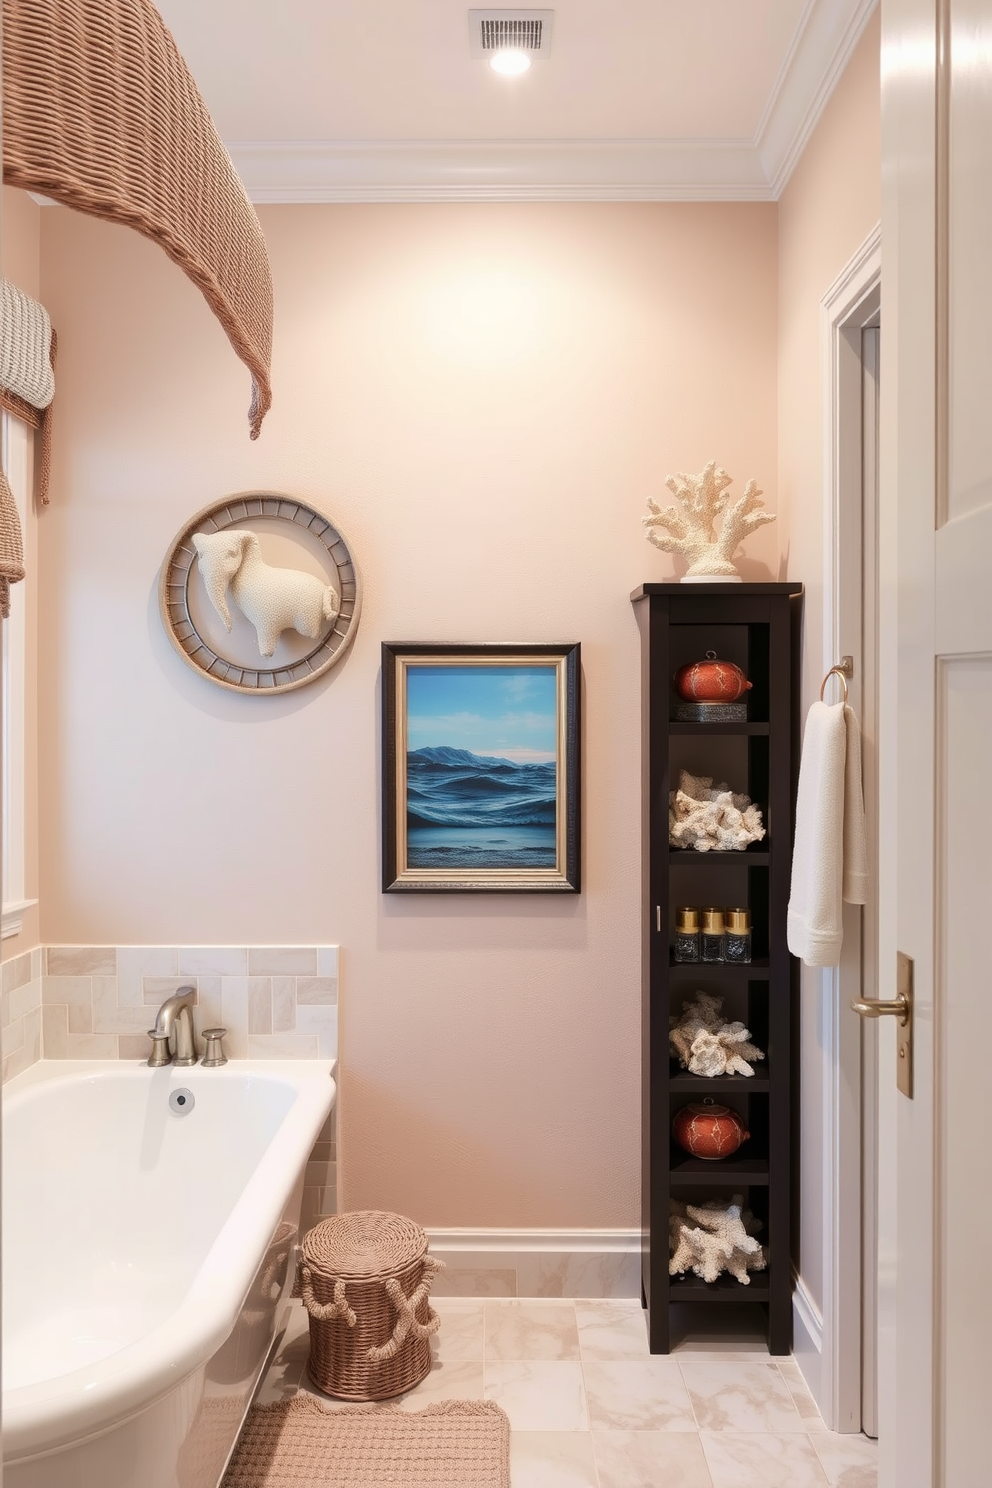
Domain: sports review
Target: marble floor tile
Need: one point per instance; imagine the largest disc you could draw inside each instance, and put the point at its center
(282, 1382)
(462, 1379)
(539, 1395)
(460, 1335)
(740, 1397)
(848, 1461)
(650, 1459)
(553, 1459)
(801, 1398)
(612, 1330)
(296, 1339)
(755, 1459)
(637, 1395)
(531, 1330)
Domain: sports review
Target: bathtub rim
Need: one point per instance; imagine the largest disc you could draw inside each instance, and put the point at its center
(54, 1413)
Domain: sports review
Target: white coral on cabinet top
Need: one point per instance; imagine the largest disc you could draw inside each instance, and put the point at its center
(688, 527)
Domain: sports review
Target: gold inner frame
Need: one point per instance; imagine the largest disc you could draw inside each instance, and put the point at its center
(494, 876)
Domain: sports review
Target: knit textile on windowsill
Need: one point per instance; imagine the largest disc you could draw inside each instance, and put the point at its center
(28, 347)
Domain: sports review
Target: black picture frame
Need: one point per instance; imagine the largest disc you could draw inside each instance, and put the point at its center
(482, 821)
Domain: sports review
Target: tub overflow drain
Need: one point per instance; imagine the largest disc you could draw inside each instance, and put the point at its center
(182, 1102)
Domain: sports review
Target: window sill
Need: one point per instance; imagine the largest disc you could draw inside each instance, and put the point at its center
(13, 917)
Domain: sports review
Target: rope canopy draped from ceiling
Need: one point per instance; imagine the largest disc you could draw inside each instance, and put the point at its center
(100, 113)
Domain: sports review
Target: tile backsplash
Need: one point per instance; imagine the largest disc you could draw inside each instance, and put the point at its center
(276, 1002)
(98, 1002)
(20, 998)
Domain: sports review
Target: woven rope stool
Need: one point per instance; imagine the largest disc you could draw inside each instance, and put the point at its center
(365, 1279)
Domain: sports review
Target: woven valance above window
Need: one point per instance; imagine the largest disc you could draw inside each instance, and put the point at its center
(101, 114)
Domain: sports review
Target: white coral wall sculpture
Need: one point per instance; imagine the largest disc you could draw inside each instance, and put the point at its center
(272, 599)
(687, 529)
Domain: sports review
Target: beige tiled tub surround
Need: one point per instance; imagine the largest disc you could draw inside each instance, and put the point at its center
(98, 1002)
(21, 995)
(276, 1002)
(590, 1408)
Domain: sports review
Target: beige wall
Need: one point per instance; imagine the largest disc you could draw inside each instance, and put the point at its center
(483, 397)
(20, 254)
(831, 204)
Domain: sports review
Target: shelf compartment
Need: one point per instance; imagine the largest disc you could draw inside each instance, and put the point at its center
(682, 856)
(742, 1171)
(725, 1289)
(685, 971)
(682, 1082)
(718, 730)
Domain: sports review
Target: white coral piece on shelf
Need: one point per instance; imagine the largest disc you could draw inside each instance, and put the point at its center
(711, 818)
(721, 1238)
(705, 1045)
(689, 530)
(701, 1016)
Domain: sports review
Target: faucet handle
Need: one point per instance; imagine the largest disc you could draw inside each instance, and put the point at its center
(213, 1054)
(161, 1054)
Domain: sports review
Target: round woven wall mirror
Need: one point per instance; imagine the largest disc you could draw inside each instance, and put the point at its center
(225, 602)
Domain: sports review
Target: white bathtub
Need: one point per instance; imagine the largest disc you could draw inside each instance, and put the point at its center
(146, 1262)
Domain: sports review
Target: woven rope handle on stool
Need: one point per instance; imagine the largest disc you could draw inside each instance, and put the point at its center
(406, 1309)
(325, 1312)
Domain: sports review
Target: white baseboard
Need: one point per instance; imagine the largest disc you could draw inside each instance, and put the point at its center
(537, 1263)
(807, 1338)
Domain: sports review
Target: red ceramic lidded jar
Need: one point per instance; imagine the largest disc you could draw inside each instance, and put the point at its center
(709, 1131)
(711, 681)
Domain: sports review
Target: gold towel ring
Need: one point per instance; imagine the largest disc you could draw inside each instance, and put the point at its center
(841, 671)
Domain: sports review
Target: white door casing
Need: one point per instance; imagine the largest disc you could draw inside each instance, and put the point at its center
(849, 305)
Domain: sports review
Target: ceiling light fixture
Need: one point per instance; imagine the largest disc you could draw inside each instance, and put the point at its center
(509, 61)
(510, 40)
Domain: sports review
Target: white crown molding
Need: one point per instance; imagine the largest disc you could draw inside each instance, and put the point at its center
(823, 45)
(499, 170)
(756, 169)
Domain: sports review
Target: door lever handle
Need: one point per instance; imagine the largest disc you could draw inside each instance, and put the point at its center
(900, 1007)
(870, 1007)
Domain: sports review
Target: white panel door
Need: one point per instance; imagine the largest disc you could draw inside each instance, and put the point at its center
(936, 731)
(963, 626)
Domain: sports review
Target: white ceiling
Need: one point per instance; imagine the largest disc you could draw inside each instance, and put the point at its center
(343, 100)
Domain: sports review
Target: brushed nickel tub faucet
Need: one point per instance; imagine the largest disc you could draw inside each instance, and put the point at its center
(175, 1016)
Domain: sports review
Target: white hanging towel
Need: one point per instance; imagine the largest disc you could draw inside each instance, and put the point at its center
(830, 859)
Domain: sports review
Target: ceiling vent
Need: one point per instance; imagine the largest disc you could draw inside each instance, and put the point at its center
(522, 30)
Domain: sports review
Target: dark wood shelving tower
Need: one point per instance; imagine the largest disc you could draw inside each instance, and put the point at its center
(758, 627)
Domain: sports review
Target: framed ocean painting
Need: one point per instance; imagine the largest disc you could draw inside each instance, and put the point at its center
(480, 768)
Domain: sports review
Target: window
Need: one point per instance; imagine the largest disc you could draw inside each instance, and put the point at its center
(15, 437)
